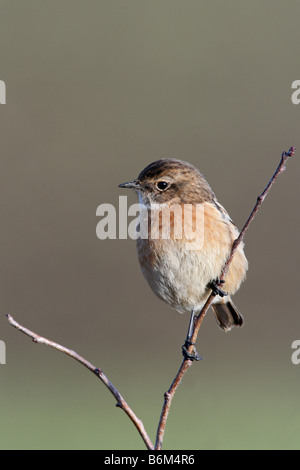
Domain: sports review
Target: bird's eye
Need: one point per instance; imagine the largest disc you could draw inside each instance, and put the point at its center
(162, 185)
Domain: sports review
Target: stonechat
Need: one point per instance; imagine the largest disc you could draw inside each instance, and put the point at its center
(180, 276)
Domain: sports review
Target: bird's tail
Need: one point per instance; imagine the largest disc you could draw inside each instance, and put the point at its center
(227, 315)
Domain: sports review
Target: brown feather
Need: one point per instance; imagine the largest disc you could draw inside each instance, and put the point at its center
(227, 315)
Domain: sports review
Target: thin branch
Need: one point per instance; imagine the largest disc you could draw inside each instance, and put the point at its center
(121, 403)
(186, 363)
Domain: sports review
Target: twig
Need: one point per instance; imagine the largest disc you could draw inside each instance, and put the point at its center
(186, 363)
(121, 403)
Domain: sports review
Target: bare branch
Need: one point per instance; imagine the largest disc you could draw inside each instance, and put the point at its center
(186, 363)
(121, 403)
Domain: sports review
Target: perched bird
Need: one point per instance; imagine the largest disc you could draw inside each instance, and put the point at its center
(181, 274)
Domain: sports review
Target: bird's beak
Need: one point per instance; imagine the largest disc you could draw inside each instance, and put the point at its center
(130, 185)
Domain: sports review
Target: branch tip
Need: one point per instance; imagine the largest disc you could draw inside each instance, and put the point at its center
(121, 403)
(290, 152)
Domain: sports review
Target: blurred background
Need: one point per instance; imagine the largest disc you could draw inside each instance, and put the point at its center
(96, 90)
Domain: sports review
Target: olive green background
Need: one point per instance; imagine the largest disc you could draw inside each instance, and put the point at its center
(96, 90)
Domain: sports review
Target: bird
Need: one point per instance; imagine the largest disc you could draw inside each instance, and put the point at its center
(181, 274)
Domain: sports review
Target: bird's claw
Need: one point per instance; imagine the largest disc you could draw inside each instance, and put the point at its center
(190, 356)
(213, 285)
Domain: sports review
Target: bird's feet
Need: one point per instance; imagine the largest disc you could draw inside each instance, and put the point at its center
(194, 356)
(213, 285)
